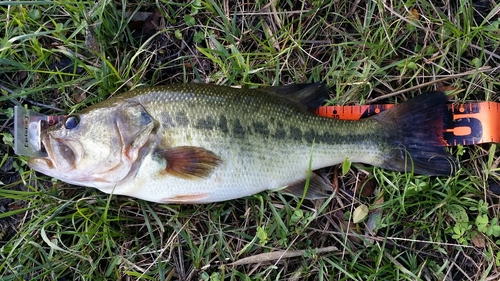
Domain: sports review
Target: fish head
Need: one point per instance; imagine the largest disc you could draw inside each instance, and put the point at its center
(98, 147)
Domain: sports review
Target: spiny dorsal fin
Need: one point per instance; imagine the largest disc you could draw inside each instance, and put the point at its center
(319, 187)
(308, 96)
(190, 162)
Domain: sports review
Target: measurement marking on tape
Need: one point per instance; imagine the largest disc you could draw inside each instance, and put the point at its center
(470, 123)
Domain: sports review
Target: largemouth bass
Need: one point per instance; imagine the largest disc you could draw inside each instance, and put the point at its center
(198, 143)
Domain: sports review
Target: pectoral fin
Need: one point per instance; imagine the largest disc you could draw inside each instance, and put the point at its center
(319, 187)
(190, 162)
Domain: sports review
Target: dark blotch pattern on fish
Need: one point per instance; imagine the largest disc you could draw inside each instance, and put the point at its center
(167, 120)
(310, 136)
(295, 133)
(207, 123)
(238, 130)
(280, 133)
(223, 124)
(261, 128)
(181, 119)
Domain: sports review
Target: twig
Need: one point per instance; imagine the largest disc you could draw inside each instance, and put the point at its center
(277, 255)
(45, 106)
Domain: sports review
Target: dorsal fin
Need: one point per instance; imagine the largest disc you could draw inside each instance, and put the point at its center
(308, 96)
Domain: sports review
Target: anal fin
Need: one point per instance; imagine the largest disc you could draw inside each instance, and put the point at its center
(185, 199)
(319, 187)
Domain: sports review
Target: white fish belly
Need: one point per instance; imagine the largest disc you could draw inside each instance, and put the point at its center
(242, 173)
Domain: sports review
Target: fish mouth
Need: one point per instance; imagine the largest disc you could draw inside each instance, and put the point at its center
(38, 162)
(61, 155)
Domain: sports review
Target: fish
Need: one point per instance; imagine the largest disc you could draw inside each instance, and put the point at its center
(203, 143)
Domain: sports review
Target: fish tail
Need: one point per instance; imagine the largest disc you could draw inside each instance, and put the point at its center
(414, 134)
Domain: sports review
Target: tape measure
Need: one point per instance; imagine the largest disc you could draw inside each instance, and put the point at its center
(472, 123)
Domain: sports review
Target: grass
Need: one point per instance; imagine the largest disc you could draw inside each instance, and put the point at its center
(62, 56)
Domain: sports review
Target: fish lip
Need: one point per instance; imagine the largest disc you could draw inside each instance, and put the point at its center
(44, 139)
(35, 162)
(70, 158)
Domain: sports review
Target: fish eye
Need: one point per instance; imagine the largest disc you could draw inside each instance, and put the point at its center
(71, 122)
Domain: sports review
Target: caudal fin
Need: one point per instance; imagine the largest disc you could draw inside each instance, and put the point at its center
(415, 130)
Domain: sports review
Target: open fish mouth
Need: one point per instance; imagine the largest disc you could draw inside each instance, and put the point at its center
(61, 154)
(64, 151)
(45, 162)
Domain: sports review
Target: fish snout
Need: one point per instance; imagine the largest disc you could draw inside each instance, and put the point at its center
(62, 154)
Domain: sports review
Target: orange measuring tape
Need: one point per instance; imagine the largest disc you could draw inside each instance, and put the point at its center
(472, 123)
